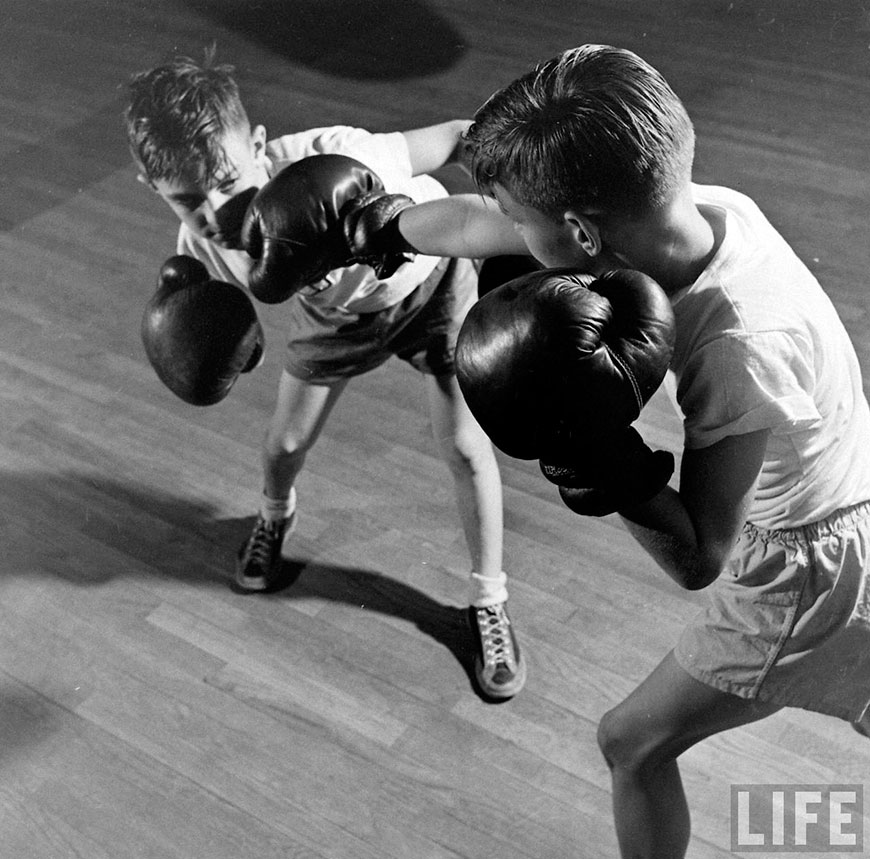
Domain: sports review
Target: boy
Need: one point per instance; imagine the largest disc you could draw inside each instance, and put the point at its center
(589, 159)
(194, 145)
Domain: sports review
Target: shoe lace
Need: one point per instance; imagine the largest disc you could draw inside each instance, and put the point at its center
(261, 545)
(495, 637)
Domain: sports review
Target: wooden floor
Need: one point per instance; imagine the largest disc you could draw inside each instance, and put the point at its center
(146, 710)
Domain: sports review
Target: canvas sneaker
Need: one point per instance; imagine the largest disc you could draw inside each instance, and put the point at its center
(260, 557)
(498, 664)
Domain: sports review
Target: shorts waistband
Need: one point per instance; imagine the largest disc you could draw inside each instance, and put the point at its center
(839, 520)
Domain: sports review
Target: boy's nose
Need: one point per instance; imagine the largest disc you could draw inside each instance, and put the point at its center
(207, 217)
(214, 200)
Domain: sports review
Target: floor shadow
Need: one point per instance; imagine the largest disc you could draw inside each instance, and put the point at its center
(371, 40)
(113, 529)
(27, 720)
(374, 592)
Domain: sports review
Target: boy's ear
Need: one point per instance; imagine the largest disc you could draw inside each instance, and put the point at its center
(258, 141)
(586, 232)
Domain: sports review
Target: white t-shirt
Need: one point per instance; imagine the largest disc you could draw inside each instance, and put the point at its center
(760, 346)
(355, 288)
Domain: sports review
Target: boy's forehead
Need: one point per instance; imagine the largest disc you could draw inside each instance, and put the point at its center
(230, 157)
(171, 188)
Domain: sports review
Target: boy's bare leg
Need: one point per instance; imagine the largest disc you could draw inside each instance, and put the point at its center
(499, 666)
(469, 455)
(641, 739)
(300, 413)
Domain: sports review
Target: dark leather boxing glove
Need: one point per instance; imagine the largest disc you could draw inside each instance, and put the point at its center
(371, 229)
(295, 227)
(556, 353)
(199, 334)
(607, 473)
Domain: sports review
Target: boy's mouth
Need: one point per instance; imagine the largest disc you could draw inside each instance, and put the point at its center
(232, 241)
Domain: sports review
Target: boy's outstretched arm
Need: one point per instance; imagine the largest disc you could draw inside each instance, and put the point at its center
(436, 146)
(692, 532)
(464, 225)
(330, 211)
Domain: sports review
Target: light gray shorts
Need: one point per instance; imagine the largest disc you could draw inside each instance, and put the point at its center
(326, 344)
(789, 621)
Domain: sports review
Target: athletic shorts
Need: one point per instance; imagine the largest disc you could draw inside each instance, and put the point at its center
(327, 344)
(789, 621)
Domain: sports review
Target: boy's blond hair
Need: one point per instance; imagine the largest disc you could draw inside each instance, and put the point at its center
(593, 129)
(177, 115)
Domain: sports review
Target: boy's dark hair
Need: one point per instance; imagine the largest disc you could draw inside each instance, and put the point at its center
(594, 129)
(176, 115)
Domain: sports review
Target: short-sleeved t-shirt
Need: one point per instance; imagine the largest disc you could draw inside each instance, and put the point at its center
(356, 288)
(760, 346)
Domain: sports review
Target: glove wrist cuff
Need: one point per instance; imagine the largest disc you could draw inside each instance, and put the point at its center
(605, 478)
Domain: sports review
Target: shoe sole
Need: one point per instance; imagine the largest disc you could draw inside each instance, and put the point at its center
(508, 690)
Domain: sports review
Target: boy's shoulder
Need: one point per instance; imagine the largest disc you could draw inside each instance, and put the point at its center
(726, 198)
(755, 282)
(752, 249)
(340, 139)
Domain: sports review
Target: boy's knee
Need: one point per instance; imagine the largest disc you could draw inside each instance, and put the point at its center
(623, 741)
(284, 442)
(468, 451)
(608, 737)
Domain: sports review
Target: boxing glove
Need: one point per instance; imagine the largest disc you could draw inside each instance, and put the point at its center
(556, 353)
(371, 229)
(297, 230)
(199, 334)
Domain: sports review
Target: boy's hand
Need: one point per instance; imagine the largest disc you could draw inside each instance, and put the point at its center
(294, 227)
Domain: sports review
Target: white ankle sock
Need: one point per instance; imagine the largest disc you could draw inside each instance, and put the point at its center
(487, 590)
(275, 509)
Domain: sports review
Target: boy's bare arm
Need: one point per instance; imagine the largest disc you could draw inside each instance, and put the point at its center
(692, 533)
(436, 146)
(464, 225)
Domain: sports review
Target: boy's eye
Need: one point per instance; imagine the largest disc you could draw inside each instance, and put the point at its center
(189, 202)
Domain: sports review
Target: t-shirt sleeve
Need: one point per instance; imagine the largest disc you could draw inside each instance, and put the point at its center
(741, 383)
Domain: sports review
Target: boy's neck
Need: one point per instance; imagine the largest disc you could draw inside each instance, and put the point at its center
(676, 245)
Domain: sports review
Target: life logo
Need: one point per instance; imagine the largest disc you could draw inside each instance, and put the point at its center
(797, 818)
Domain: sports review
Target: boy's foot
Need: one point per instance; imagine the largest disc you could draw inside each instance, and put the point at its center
(498, 664)
(258, 567)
